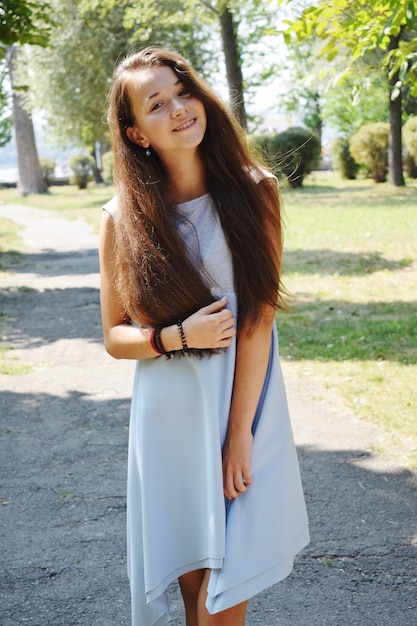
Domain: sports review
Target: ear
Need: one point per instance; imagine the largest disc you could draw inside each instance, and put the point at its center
(134, 135)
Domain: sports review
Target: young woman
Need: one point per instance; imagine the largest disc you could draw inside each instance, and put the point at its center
(190, 254)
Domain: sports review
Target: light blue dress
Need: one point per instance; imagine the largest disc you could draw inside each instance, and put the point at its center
(178, 520)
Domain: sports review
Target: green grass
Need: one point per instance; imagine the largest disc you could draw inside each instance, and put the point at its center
(10, 241)
(67, 199)
(351, 265)
(10, 364)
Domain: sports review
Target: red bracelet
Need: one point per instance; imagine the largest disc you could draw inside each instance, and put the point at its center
(152, 340)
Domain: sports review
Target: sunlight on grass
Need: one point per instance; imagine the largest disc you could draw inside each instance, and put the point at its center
(10, 364)
(67, 199)
(9, 241)
(351, 265)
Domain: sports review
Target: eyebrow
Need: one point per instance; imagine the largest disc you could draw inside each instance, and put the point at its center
(154, 95)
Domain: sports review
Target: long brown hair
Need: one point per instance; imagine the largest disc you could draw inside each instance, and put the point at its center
(158, 283)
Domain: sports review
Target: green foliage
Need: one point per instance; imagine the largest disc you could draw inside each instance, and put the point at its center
(410, 165)
(6, 121)
(48, 169)
(410, 135)
(369, 147)
(342, 159)
(295, 152)
(82, 166)
(291, 154)
(71, 78)
(410, 142)
(349, 253)
(259, 146)
(362, 28)
(107, 162)
(22, 21)
(358, 99)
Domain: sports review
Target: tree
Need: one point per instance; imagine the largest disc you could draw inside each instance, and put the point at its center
(70, 78)
(194, 28)
(306, 92)
(23, 22)
(359, 28)
(233, 64)
(360, 99)
(31, 179)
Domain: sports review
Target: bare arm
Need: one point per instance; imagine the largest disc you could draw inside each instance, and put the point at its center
(252, 354)
(212, 326)
(251, 364)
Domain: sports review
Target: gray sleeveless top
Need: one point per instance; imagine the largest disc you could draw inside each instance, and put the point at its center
(200, 227)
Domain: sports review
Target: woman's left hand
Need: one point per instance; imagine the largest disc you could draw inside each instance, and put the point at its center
(237, 456)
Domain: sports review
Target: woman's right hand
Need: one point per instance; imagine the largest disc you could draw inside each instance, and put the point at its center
(212, 326)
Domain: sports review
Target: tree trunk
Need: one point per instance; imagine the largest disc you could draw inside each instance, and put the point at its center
(318, 118)
(395, 156)
(31, 179)
(233, 66)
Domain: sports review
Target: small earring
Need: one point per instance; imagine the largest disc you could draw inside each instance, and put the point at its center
(147, 152)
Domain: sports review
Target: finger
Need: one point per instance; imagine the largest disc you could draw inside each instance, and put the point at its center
(228, 486)
(228, 326)
(236, 483)
(215, 306)
(240, 483)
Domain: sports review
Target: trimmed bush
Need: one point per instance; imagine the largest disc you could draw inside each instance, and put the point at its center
(48, 169)
(343, 161)
(107, 162)
(291, 154)
(410, 136)
(369, 147)
(410, 165)
(295, 152)
(82, 166)
(410, 143)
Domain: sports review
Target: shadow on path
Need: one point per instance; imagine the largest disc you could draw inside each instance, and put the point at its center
(63, 466)
(68, 313)
(52, 263)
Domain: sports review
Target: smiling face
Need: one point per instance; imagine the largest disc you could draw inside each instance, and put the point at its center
(167, 117)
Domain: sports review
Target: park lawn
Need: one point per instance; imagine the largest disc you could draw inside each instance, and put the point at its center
(350, 263)
(10, 242)
(68, 200)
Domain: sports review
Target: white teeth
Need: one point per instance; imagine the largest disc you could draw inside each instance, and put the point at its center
(185, 125)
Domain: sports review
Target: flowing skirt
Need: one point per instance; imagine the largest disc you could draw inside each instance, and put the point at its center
(178, 520)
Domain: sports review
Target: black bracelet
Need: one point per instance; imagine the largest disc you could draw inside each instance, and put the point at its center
(158, 343)
(182, 335)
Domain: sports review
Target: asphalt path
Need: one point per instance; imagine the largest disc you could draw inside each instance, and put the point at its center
(63, 452)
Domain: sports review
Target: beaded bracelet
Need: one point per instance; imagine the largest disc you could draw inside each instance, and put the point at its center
(182, 335)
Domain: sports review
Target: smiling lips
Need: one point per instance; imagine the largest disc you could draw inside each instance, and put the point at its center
(184, 126)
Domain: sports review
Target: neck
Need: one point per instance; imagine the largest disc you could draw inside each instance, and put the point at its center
(186, 175)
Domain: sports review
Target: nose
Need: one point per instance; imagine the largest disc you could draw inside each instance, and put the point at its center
(179, 107)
